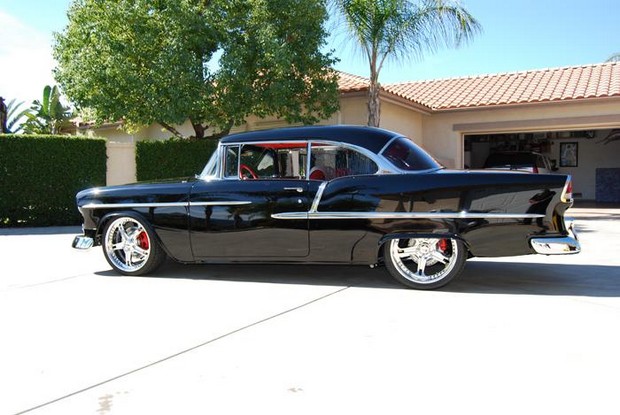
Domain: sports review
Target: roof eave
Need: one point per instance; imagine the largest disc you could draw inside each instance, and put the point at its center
(526, 104)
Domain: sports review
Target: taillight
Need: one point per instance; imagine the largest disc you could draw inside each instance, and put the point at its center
(535, 169)
(567, 193)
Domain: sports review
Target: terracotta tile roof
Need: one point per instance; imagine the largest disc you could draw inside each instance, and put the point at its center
(545, 85)
(352, 83)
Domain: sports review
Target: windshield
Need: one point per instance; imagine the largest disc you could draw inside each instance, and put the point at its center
(210, 170)
(406, 155)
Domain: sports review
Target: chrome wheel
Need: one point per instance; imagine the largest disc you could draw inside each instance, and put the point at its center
(425, 262)
(127, 245)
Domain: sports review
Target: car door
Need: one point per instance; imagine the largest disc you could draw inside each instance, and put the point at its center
(231, 217)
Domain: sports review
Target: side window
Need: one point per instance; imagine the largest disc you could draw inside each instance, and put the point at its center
(256, 162)
(273, 161)
(292, 162)
(331, 161)
(231, 162)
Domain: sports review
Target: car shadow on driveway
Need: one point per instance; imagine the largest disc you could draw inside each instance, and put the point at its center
(504, 277)
(481, 277)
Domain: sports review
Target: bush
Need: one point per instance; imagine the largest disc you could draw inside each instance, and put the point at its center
(41, 175)
(172, 158)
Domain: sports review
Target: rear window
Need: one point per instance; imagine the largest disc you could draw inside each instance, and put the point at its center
(405, 155)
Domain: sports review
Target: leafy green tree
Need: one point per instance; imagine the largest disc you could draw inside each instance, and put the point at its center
(214, 62)
(48, 116)
(402, 30)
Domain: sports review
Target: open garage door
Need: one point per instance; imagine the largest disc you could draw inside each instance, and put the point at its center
(591, 157)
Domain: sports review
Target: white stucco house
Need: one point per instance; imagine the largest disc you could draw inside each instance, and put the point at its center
(462, 120)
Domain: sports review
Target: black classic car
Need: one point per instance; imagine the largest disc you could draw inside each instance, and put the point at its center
(333, 195)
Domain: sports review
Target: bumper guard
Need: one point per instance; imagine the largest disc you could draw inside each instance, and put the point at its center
(560, 245)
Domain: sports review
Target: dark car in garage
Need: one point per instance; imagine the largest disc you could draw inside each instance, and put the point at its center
(527, 161)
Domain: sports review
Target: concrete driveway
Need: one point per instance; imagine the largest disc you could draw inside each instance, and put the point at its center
(519, 335)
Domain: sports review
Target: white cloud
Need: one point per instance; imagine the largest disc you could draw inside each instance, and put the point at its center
(26, 61)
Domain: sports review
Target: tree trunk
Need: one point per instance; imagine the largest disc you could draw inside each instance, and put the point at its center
(374, 103)
(199, 130)
(171, 129)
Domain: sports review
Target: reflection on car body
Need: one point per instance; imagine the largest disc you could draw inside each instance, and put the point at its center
(332, 194)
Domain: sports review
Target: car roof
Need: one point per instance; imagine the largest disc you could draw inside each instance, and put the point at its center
(371, 138)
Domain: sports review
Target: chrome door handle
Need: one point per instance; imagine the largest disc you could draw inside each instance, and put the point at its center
(295, 189)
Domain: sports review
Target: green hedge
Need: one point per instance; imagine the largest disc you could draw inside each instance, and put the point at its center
(40, 176)
(172, 158)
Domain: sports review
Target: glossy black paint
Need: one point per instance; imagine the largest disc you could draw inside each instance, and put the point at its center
(230, 220)
(249, 231)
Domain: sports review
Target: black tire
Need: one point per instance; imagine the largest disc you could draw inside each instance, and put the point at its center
(425, 263)
(131, 247)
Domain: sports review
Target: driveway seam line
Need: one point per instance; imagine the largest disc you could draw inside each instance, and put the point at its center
(185, 351)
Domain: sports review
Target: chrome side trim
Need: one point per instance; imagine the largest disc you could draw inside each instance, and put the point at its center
(317, 198)
(221, 203)
(402, 215)
(156, 205)
(556, 246)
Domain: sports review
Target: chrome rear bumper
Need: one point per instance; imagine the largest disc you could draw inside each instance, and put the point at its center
(558, 245)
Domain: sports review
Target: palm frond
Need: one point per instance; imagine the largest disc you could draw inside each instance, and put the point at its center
(15, 115)
(614, 58)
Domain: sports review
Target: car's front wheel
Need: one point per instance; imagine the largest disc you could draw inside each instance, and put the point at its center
(425, 263)
(130, 247)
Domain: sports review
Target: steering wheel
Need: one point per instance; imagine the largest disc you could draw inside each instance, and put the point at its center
(246, 168)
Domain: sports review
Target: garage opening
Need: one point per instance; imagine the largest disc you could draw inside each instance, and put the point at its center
(589, 156)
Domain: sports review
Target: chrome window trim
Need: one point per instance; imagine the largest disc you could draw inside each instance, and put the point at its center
(308, 158)
(382, 165)
(403, 215)
(388, 144)
(204, 176)
(162, 204)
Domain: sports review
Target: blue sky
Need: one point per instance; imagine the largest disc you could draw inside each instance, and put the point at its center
(517, 35)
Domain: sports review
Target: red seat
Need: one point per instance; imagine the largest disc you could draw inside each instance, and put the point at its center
(317, 174)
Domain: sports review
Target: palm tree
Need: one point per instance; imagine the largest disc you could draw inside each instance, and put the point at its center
(47, 116)
(614, 58)
(401, 30)
(14, 116)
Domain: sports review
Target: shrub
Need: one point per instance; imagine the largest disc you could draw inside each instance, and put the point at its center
(172, 158)
(41, 174)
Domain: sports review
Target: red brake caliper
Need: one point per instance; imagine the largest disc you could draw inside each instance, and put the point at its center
(443, 245)
(143, 240)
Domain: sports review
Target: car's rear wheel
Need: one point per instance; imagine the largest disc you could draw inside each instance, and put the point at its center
(130, 247)
(425, 263)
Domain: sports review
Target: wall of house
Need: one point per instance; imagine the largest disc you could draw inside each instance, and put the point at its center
(592, 154)
(440, 133)
(394, 116)
(403, 120)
